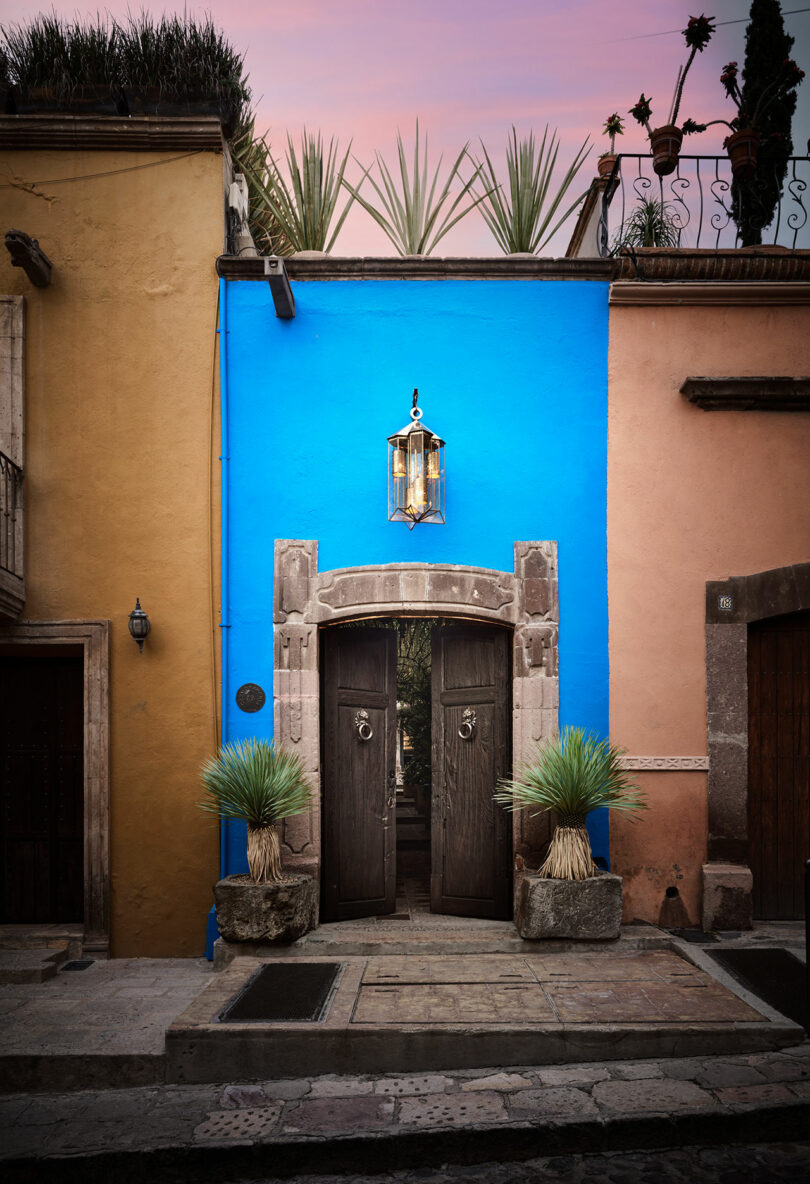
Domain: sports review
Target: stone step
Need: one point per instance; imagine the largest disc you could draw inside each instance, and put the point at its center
(30, 966)
(410, 1014)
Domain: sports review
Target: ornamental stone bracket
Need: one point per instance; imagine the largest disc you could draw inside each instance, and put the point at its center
(525, 600)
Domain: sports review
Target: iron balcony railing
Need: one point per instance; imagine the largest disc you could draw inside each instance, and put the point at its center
(11, 516)
(702, 207)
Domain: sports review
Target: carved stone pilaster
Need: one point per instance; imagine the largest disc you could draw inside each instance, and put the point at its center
(296, 564)
(536, 688)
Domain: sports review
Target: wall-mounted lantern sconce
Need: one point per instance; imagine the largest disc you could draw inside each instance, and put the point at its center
(416, 473)
(139, 624)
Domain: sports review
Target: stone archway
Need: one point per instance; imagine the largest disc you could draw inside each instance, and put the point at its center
(525, 599)
(731, 605)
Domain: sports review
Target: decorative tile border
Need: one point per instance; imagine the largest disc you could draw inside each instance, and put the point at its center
(665, 764)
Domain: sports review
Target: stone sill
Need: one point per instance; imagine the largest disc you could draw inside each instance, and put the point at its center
(748, 394)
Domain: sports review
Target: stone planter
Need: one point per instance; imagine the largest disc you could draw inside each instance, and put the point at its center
(280, 912)
(582, 910)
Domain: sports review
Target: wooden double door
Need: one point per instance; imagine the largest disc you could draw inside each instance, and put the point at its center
(779, 763)
(471, 747)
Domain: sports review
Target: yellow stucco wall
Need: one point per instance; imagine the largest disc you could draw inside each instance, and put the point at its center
(693, 496)
(121, 492)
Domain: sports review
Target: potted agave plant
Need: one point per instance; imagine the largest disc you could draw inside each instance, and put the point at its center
(251, 781)
(743, 143)
(571, 775)
(666, 140)
(614, 126)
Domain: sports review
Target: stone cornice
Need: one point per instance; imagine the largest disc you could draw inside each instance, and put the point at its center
(755, 276)
(137, 133)
(748, 394)
(423, 267)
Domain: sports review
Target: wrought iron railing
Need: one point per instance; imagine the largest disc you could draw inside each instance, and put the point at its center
(11, 516)
(701, 205)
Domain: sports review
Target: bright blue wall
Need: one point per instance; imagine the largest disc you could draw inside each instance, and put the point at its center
(513, 375)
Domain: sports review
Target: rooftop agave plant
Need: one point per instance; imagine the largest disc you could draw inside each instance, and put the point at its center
(525, 218)
(413, 215)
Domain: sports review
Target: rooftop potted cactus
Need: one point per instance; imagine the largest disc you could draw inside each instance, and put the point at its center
(666, 139)
(614, 126)
(743, 143)
(571, 775)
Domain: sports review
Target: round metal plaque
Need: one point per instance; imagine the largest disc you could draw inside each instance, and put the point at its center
(250, 697)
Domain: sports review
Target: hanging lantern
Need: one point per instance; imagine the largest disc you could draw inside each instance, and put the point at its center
(416, 473)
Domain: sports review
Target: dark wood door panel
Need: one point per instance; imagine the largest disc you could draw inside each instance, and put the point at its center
(779, 763)
(471, 849)
(359, 841)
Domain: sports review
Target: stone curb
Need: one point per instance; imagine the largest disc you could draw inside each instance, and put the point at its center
(370, 1153)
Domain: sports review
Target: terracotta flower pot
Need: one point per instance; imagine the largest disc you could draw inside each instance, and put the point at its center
(665, 143)
(742, 148)
(605, 164)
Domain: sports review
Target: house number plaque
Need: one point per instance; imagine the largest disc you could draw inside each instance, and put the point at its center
(250, 697)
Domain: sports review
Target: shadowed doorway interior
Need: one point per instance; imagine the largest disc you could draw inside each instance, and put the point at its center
(415, 727)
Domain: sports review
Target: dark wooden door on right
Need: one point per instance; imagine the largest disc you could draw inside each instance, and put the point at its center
(41, 790)
(471, 743)
(779, 763)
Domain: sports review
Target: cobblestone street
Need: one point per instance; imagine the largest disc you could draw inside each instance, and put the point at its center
(747, 1164)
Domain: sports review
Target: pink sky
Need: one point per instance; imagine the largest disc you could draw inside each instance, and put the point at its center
(469, 69)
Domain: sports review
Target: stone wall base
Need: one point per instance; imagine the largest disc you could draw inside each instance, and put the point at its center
(727, 896)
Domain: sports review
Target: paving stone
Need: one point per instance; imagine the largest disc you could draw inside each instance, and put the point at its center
(236, 1097)
(760, 1095)
(800, 1088)
(687, 1068)
(461, 1109)
(723, 1074)
(554, 1103)
(340, 1087)
(287, 1090)
(641, 1071)
(573, 1075)
(403, 1086)
(249, 1123)
(784, 1070)
(639, 1097)
(504, 1081)
(334, 1115)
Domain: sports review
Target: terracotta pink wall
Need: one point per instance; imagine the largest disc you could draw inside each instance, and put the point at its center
(692, 496)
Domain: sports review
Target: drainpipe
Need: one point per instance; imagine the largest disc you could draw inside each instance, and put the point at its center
(225, 530)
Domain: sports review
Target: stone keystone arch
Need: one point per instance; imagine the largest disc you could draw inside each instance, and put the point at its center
(525, 599)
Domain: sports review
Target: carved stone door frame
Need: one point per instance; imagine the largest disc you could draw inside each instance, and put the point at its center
(94, 638)
(525, 599)
(731, 605)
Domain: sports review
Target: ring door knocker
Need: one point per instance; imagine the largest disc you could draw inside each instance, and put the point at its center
(364, 730)
(467, 724)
